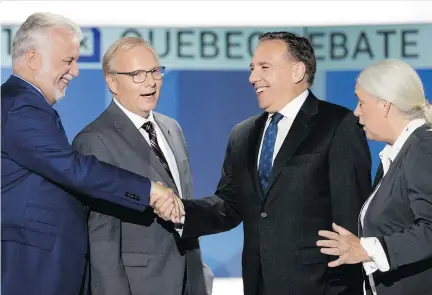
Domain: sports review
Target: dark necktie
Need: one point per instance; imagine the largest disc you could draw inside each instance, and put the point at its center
(148, 126)
(267, 149)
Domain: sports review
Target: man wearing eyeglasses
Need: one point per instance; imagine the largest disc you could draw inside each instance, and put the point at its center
(129, 254)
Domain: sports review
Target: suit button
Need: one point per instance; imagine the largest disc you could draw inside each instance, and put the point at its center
(263, 214)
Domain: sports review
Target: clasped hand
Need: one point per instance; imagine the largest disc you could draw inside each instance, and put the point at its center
(165, 203)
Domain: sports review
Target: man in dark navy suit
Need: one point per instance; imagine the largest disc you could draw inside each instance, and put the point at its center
(44, 231)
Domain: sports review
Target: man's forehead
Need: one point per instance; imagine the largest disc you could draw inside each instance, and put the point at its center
(64, 38)
(269, 58)
(270, 50)
(62, 43)
(138, 58)
(139, 52)
(61, 33)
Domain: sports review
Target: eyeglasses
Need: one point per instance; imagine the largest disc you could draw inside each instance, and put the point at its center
(140, 76)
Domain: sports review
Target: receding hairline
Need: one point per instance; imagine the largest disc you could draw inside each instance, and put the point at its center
(122, 47)
(287, 50)
(56, 35)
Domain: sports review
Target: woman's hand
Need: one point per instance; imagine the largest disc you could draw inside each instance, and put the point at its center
(344, 244)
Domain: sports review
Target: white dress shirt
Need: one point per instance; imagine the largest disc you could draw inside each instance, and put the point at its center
(372, 245)
(139, 121)
(289, 113)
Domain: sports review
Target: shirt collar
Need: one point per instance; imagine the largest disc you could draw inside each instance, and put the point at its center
(137, 120)
(291, 110)
(391, 151)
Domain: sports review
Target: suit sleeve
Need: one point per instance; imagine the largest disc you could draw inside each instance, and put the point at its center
(36, 143)
(350, 185)
(349, 172)
(218, 213)
(108, 272)
(414, 244)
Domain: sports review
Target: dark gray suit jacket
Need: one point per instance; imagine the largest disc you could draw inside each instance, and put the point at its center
(400, 215)
(137, 253)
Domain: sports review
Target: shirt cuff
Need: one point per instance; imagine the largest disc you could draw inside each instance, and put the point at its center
(376, 252)
(179, 226)
(180, 231)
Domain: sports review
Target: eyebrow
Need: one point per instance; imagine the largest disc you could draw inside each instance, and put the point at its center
(150, 69)
(261, 63)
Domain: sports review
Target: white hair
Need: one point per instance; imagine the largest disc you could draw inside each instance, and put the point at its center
(398, 83)
(36, 27)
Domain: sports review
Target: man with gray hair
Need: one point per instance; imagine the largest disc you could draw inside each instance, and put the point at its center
(44, 231)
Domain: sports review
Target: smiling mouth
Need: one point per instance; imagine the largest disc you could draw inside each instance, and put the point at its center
(66, 81)
(260, 90)
(148, 94)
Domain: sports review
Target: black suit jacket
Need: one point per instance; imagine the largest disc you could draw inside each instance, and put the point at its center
(320, 175)
(400, 216)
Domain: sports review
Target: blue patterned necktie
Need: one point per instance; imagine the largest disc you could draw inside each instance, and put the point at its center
(267, 149)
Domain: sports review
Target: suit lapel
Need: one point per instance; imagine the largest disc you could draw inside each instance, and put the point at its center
(379, 175)
(299, 130)
(378, 178)
(389, 178)
(139, 145)
(254, 144)
(129, 132)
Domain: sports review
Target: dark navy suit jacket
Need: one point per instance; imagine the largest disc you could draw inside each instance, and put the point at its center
(43, 224)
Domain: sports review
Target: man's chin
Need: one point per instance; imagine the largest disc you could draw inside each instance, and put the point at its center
(262, 105)
(59, 95)
(266, 108)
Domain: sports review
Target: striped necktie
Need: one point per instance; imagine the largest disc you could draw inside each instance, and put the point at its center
(149, 128)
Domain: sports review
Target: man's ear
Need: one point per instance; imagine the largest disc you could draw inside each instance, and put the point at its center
(33, 59)
(299, 72)
(112, 84)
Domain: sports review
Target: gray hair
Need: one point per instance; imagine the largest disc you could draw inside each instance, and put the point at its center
(36, 26)
(398, 83)
(121, 45)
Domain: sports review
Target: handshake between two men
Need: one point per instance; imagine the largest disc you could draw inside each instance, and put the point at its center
(165, 203)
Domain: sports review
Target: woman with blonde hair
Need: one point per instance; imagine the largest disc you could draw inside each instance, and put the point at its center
(394, 242)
